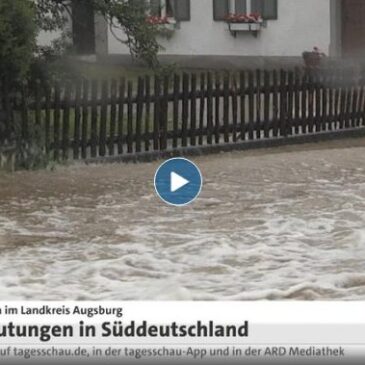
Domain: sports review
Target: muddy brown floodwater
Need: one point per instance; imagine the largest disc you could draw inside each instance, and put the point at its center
(284, 223)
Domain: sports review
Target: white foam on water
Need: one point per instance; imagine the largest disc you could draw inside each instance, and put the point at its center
(283, 226)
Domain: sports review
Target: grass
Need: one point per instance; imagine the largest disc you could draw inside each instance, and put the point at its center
(71, 123)
(101, 72)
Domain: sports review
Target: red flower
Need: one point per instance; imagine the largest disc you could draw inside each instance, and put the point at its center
(157, 20)
(244, 18)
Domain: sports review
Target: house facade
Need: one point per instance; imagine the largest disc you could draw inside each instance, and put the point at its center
(201, 35)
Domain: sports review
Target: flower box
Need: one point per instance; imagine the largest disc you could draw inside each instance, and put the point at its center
(170, 26)
(165, 25)
(161, 21)
(314, 58)
(244, 27)
(244, 23)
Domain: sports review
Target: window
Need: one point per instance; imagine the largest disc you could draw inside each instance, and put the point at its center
(267, 8)
(178, 9)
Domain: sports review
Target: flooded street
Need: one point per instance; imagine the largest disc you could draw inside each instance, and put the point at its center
(285, 223)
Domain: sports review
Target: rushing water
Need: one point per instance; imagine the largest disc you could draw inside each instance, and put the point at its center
(276, 224)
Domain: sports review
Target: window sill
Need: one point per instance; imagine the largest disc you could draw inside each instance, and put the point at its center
(171, 26)
(172, 21)
(245, 27)
(253, 28)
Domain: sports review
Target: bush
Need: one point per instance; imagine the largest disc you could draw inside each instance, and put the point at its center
(18, 32)
(53, 61)
(30, 154)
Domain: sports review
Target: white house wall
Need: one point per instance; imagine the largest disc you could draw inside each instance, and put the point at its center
(301, 25)
(46, 38)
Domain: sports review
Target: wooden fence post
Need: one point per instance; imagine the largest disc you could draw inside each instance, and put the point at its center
(317, 87)
(342, 96)
(258, 104)
(85, 119)
(202, 108)
(185, 110)
(56, 123)
(355, 96)
(209, 108)
(157, 113)
(103, 118)
(139, 112)
(38, 101)
(336, 98)
(362, 101)
(234, 89)
(290, 115)
(66, 122)
(148, 111)
(331, 93)
(121, 102)
(164, 114)
(349, 90)
(251, 105)
(297, 87)
(275, 103)
(47, 127)
(305, 104)
(283, 104)
(267, 104)
(324, 94)
(217, 107)
(226, 80)
(130, 135)
(193, 111)
(113, 116)
(7, 107)
(77, 121)
(94, 117)
(243, 104)
(176, 101)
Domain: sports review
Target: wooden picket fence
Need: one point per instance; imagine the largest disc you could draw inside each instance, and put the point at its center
(92, 119)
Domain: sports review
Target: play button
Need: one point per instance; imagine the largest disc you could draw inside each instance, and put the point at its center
(178, 182)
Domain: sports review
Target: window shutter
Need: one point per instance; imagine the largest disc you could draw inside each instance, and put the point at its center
(155, 7)
(270, 9)
(220, 9)
(182, 10)
(267, 8)
(241, 7)
(256, 6)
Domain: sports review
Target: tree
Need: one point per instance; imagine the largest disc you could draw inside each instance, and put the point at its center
(128, 15)
(21, 20)
(17, 37)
